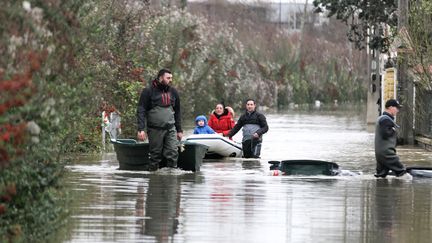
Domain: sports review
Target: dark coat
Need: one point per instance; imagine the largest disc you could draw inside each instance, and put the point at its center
(251, 118)
(223, 123)
(385, 146)
(161, 96)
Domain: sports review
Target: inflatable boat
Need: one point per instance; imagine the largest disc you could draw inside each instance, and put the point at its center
(218, 146)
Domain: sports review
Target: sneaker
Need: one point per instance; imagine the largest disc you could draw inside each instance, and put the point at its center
(153, 167)
(172, 166)
(380, 176)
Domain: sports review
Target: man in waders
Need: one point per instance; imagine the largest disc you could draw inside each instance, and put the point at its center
(254, 126)
(385, 143)
(159, 106)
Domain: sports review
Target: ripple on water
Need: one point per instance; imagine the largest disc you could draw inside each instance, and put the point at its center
(236, 200)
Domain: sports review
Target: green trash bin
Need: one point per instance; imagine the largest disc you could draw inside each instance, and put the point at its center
(131, 155)
(309, 167)
(135, 156)
(192, 156)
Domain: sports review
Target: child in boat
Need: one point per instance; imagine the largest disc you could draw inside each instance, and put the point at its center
(201, 126)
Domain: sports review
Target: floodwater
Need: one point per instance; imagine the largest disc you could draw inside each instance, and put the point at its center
(236, 200)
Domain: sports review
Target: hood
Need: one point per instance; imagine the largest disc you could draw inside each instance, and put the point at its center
(201, 118)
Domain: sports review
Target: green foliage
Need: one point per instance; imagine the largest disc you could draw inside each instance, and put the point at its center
(361, 17)
(48, 103)
(37, 209)
(127, 46)
(313, 68)
(207, 61)
(417, 40)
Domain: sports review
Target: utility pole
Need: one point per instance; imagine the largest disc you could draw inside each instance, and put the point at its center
(183, 4)
(280, 14)
(405, 85)
(374, 89)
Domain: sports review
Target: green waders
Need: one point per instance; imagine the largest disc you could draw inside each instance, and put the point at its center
(385, 152)
(162, 144)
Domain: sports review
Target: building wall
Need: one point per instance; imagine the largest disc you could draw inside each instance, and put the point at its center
(289, 15)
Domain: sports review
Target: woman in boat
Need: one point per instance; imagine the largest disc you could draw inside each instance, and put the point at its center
(222, 119)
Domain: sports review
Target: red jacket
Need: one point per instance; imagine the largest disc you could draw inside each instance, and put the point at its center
(223, 124)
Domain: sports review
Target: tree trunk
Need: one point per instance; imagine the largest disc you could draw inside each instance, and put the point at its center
(405, 85)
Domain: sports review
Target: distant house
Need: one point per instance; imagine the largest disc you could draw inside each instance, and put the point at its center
(287, 15)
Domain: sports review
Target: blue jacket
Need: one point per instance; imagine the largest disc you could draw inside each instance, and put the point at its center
(202, 129)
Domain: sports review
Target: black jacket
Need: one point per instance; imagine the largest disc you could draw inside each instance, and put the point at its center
(158, 95)
(385, 136)
(250, 118)
(387, 126)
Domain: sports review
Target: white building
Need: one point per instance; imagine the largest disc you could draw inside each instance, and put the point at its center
(289, 14)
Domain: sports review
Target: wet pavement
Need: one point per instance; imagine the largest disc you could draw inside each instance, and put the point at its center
(236, 200)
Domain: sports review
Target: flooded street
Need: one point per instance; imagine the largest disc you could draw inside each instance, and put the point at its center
(235, 200)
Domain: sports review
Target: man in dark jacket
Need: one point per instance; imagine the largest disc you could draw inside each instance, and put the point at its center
(385, 142)
(159, 107)
(254, 126)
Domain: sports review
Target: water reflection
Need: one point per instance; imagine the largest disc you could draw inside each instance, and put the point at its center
(401, 211)
(235, 200)
(386, 214)
(161, 207)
